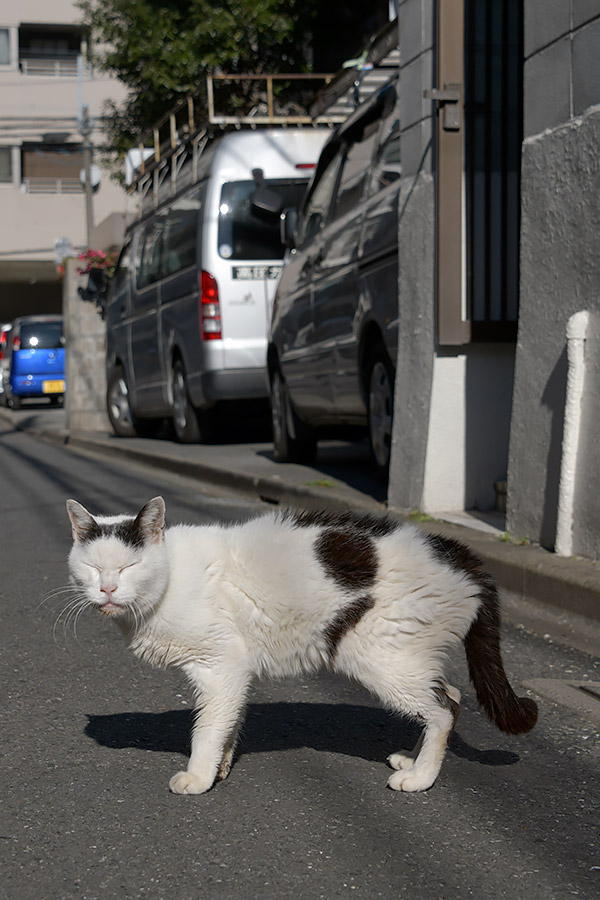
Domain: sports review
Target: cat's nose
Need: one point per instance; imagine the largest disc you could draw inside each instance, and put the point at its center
(108, 589)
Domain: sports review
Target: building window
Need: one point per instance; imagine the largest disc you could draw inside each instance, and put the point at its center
(49, 49)
(52, 168)
(4, 47)
(6, 175)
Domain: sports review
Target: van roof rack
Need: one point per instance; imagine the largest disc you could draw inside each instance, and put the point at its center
(183, 134)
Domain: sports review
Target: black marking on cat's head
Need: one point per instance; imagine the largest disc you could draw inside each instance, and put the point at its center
(148, 525)
(345, 619)
(348, 557)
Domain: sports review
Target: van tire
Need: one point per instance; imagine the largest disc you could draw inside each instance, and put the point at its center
(285, 447)
(118, 406)
(379, 388)
(191, 426)
(14, 403)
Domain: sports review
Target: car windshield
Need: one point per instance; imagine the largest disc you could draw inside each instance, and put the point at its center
(247, 233)
(41, 336)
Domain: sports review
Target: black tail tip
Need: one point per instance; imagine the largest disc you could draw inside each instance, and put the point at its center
(522, 718)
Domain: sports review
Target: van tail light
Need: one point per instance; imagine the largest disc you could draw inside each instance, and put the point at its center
(16, 342)
(210, 309)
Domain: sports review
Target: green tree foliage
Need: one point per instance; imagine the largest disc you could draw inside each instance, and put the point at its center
(163, 49)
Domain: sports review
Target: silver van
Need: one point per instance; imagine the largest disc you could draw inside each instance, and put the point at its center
(189, 304)
(334, 330)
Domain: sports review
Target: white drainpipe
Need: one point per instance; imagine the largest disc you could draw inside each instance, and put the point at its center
(577, 332)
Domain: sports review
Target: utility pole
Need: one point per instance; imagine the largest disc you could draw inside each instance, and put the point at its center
(85, 129)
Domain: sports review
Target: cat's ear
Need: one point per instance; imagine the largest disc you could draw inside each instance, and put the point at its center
(83, 524)
(151, 520)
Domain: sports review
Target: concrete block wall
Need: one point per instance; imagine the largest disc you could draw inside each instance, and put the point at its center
(562, 40)
(560, 268)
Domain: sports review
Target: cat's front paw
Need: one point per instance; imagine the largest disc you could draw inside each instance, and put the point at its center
(410, 780)
(190, 783)
(400, 761)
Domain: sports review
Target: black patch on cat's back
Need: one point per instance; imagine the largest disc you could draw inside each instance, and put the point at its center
(458, 556)
(345, 619)
(348, 557)
(377, 526)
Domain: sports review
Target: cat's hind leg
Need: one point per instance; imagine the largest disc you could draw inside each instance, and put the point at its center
(407, 760)
(440, 709)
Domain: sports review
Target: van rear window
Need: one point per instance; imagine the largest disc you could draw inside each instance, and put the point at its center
(246, 233)
(41, 336)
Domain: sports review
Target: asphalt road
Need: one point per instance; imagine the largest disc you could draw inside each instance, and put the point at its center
(90, 738)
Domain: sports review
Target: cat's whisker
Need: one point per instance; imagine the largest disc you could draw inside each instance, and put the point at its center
(79, 612)
(57, 593)
(74, 615)
(72, 606)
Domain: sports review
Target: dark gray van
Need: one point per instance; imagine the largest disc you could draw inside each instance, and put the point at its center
(189, 304)
(334, 328)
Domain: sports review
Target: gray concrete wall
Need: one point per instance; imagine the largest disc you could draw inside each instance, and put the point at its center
(560, 267)
(85, 340)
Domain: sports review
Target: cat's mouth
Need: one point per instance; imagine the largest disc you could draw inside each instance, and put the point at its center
(110, 607)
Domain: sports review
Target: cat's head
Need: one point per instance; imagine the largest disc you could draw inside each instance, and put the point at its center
(119, 562)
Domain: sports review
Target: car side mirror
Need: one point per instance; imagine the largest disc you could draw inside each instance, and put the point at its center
(288, 223)
(95, 292)
(97, 281)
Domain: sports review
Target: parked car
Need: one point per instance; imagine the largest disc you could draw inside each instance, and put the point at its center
(189, 304)
(4, 330)
(334, 329)
(35, 360)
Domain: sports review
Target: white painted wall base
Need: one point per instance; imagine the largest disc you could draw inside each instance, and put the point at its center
(444, 481)
(469, 423)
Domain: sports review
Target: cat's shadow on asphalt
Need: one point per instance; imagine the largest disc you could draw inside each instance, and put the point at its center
(358, 731)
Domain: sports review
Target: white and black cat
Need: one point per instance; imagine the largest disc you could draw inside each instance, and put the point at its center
(286, 593)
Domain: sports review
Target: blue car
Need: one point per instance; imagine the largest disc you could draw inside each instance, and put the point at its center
(36, 360)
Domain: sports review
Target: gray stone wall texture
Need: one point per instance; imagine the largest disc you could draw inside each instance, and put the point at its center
(85, 343)
(560, 268)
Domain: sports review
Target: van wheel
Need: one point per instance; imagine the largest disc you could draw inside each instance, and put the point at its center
(379, 381)
(117, 405)
(191, 426)
(285, 447)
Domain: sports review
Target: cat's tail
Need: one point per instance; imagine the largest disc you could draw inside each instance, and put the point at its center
(512, 714)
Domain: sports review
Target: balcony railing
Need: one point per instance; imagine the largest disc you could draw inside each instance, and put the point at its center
(63, 65)
(38, 185)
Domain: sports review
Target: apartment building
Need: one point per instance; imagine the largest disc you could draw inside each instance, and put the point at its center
(45, 81)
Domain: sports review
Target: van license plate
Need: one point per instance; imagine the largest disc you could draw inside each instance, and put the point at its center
(53, 387)
(255, 273)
